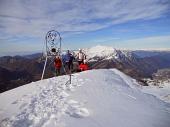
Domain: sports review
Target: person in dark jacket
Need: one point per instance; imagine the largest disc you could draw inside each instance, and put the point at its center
(69, 60)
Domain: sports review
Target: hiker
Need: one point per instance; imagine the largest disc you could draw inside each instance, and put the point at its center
(80, 56)
(83, 66)
(69, 60)
(57, 64)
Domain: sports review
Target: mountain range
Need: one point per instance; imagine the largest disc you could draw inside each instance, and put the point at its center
(139, 64)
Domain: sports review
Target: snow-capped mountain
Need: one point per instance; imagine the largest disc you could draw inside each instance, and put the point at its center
(19, 70)
(128, 61)
(101, 51)
(96, 98)
(107, 53)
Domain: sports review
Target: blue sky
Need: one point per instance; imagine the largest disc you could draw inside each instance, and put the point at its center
(124, 24)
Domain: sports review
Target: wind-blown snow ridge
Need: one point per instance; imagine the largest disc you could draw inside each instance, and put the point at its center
(95, 98)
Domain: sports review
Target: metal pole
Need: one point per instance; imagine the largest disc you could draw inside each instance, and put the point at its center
(48, 49)
(44, 68)
(60, 46)
(46, 45)
(70, 78)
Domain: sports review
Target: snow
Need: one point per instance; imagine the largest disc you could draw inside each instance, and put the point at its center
(96, 98)
(100, 51)
(162, 91)
(107, 53)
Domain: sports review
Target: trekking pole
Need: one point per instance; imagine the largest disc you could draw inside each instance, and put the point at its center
(70, 77)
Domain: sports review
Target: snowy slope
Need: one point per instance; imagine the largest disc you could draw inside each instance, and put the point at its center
(162, 92)
(96, 98)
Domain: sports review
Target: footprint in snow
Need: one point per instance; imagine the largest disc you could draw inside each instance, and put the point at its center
(70, 87)
(23, 106)
(75, 110)
(78, 112)
(63, 87)
(18, 101)
(80, 80)
(63, 95)
(80, 84)
(15, 102)
(22, 99)
(166, 97)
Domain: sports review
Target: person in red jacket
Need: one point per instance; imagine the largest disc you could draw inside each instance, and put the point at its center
(57, 65)
(83, 66)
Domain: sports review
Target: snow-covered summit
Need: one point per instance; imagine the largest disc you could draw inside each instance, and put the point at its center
(106, 52)
(96, 98)
(101, 51)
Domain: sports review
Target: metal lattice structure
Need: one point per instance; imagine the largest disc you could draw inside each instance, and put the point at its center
(53, 46)
(53, 43)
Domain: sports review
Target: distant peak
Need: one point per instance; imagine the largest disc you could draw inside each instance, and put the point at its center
(102, 47)
(101, 51)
